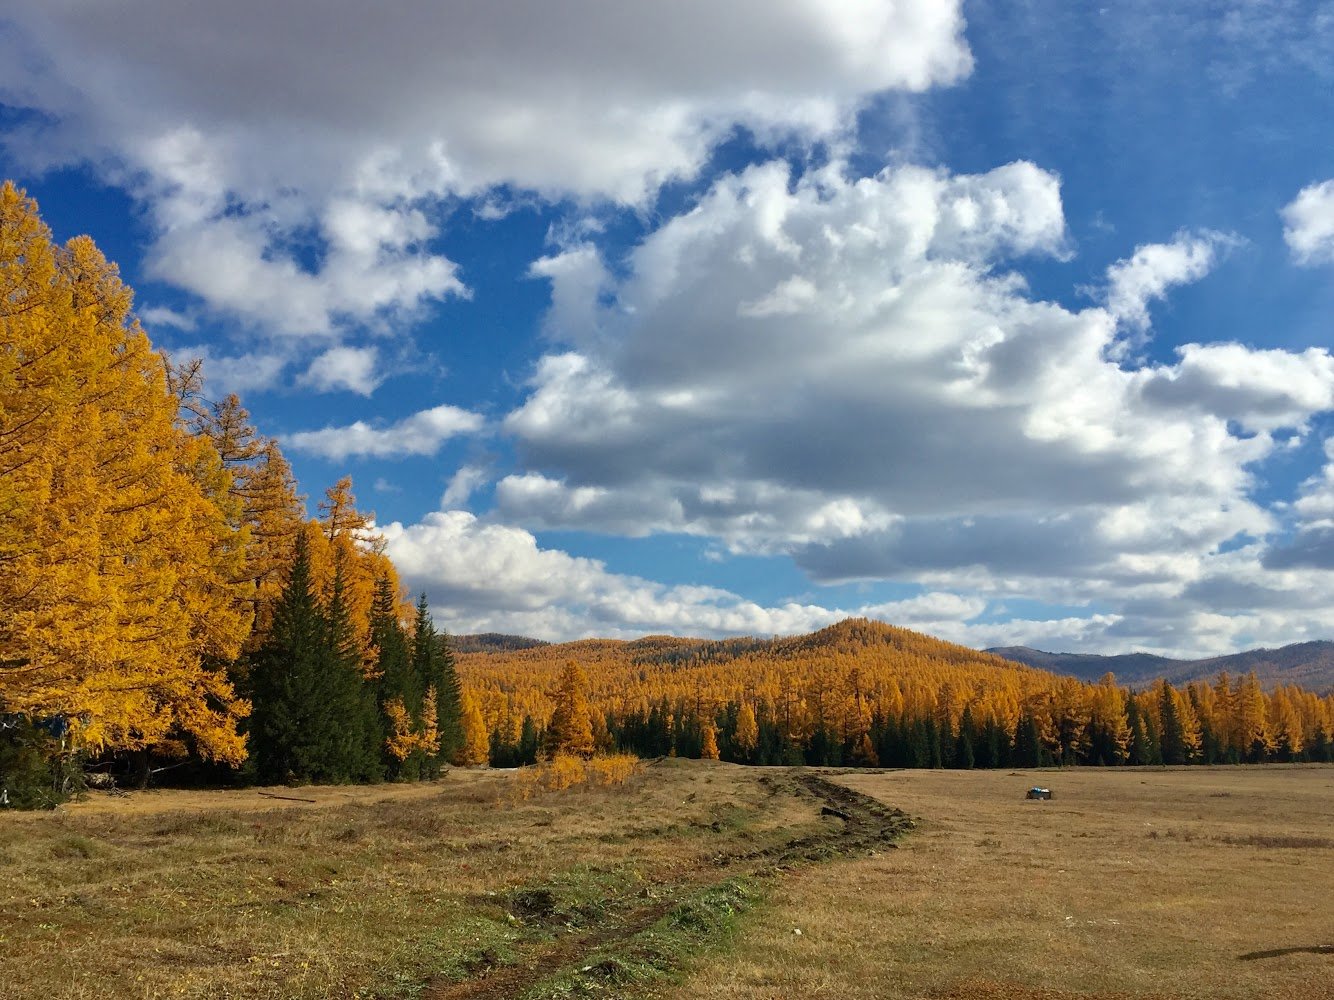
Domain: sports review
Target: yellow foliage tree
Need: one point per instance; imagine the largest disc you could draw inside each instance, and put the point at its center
(401, 740)
(709, 745)
(261, 496)
(118, 565)
(747, 731)
(476, 747)
(571, 729)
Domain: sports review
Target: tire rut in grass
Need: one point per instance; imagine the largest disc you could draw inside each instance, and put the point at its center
(860, 824)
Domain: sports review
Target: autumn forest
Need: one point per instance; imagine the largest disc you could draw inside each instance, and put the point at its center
(169, 607)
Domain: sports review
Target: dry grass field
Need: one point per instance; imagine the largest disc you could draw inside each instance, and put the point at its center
(455, 889)
(1190, 883)
(688, 882)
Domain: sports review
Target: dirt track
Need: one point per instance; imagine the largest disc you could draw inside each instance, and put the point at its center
(852, 823)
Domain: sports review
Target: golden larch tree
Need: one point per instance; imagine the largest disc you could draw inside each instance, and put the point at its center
(747, 736)
(571, 729)
(117, 563)
(709, 742)
(476, 747)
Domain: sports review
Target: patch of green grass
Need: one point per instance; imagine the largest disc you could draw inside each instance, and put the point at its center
(701, 923)
(74, 845)
(578, 897)
(457, 950)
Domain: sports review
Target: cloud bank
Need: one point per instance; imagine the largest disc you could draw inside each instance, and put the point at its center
(291, 156)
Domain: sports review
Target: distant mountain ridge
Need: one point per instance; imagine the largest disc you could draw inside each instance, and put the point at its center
(1309, 664)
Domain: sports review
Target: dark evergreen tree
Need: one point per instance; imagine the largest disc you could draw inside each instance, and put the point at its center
(1028, 750)
(792, 753)
(1070, 740)
(933, 743)
(769, 749)
(659, 726)
(995, 745)
(919, 744)
(433, 662)
(530, 742)
(1141, 748)
(287, 731)
(309, 719)
(964, 757)
(1211, 750)
(687, 732)
(400, 691)
(502, 752)
(822, 750)
(947, 740)
(361, 736)
(1172, 737)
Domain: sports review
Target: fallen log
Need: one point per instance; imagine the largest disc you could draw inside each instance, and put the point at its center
(288, 798)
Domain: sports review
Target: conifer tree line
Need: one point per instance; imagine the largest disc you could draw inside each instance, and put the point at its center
(863, 693)
(163, 595)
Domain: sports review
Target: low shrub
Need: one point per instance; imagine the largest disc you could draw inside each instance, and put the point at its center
(566, 771)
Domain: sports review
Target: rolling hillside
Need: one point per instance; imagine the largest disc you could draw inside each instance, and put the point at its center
(862, 691)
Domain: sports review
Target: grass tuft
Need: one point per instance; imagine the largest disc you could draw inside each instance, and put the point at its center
(74, 845)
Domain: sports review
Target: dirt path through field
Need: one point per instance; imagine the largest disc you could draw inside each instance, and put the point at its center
(854, 824)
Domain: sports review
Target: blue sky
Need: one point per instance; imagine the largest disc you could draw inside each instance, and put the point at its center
(1010, 323)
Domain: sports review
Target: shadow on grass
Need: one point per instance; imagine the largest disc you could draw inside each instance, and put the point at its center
(1310, 949)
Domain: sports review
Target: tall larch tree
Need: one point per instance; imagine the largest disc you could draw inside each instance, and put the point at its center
(115, 563)
(1109, 728)
(571, 728)
(747, 736)
(262, 490)
(476, 747)
(274, 516)
(1255, 740)
(348, 541)
(708, 747)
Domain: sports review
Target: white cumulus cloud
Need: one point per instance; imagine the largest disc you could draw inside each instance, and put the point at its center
(1308, 224)
(462, 485)
(1153, 269)
(351, 368)
(420, 434)
(252, 131)
(482, 577)
(846, 370)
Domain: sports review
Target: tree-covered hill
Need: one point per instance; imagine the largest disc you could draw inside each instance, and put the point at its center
(862, 691)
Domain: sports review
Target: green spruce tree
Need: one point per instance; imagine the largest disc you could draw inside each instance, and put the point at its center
(1172, 738)
(964, 759)
(433, 661)
(1027, 742)
(401, 689)
(308, 720)
(360, 733)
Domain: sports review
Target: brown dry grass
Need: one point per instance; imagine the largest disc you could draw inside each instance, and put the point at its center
(1129, 885)
(368, 892)
(1187, 883)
